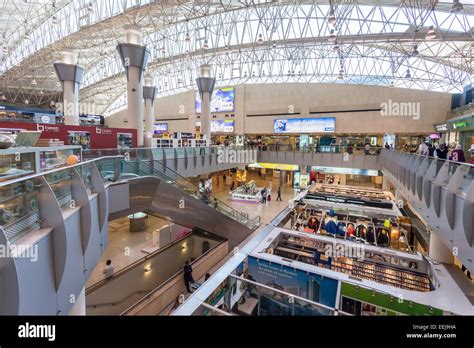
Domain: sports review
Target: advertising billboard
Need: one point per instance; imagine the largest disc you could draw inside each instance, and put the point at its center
(160, 127)
(219, 126)
(305, 125)
(311, 286)
(222, 100)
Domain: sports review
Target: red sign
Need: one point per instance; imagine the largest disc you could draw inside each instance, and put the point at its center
(100, 137)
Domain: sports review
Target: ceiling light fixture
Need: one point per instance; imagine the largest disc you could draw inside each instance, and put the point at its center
(3, 97)
(431, 34)
(27, 101)
(415, 50)
(332, 36)
(33, 82)
(336, 46)
(332, 19)
(260, 39)
(456, 7)
(90, 7)
(187, 38)
(54, 20)
(274, 45)
(408, 74)
(5, 50)
(206, 44)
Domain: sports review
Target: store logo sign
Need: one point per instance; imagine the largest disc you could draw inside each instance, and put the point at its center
(398, 109)
(103, 131)
(43, 128)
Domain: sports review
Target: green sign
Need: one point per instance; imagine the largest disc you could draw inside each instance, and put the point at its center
(391, 303)
(462, 125)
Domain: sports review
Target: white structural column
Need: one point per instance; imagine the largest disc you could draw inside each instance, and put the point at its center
(135, 60)
(70, 75)
(149, 95)
(205, 85)
(79, 307)
(439, 251)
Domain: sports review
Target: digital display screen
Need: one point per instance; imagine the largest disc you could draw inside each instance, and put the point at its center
(161, 127)
(305, 125)
(219, 126)
(222, 100)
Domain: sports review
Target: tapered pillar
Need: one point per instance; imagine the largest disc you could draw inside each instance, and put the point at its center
(70, 75)
(205, 85)
(439, 251)
(135, 58)
(149, 95)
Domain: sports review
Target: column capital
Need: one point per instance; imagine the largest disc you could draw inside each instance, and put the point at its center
(133, 55)
(205, 84)
(69, 72)
(150, 92)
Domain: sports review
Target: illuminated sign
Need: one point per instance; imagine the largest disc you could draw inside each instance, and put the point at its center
(305, 125)
(441, 127)
(277, 166)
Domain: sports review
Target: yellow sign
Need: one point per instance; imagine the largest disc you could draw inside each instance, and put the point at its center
(278, 166)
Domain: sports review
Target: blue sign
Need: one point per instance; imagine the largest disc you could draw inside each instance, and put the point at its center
(312, 286)
(222, 100)
(305, 125)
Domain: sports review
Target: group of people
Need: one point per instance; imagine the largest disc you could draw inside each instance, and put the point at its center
(441, 152)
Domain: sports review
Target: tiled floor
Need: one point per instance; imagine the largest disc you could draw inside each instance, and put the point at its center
(266, 211)
(125, 246)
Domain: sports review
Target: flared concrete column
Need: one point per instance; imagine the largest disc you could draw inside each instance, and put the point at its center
(439, 251)
(79, 307)
(149, 95)
(205, 85)
(135, 60)
(70, 75)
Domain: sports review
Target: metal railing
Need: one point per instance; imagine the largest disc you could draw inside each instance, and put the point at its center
(138, 162)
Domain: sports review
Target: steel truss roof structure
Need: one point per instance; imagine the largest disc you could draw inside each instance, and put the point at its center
(383, 42)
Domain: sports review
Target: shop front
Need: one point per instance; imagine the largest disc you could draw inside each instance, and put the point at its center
(89, 137)
(464, 127)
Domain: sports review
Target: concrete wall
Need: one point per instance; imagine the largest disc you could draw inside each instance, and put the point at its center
(178, 110)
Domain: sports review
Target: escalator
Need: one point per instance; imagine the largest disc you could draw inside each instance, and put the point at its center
(174, 198)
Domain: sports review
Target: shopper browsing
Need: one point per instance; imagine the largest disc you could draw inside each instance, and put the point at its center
(331, 226)
(279, 194)
(423, 149)
(458, 154)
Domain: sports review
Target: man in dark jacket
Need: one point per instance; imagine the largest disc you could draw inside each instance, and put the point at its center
(442, 152)
(188, 275)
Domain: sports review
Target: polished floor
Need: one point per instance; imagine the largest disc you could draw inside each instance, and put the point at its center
(126, 247)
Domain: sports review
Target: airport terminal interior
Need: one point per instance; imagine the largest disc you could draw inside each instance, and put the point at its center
(237, 158)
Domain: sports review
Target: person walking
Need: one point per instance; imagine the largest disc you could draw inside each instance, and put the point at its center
(423, 149)
(279, 194)
(367, 149)
(108, 269)
(188, 275)
(458, 154)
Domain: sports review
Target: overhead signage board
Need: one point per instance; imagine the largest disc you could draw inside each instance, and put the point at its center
(305, 125)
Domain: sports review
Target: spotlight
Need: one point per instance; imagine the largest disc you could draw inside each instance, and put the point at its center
(332, 36)
(431, 34)
(90, 8)
(206, 44)
(187, 38)
(456, 7)
(260, 39)
(332, 19)
(33, 82)
(408, 74)
(54, 21)
(415, 51)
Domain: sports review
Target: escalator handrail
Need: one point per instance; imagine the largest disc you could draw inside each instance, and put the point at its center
(212, 196)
